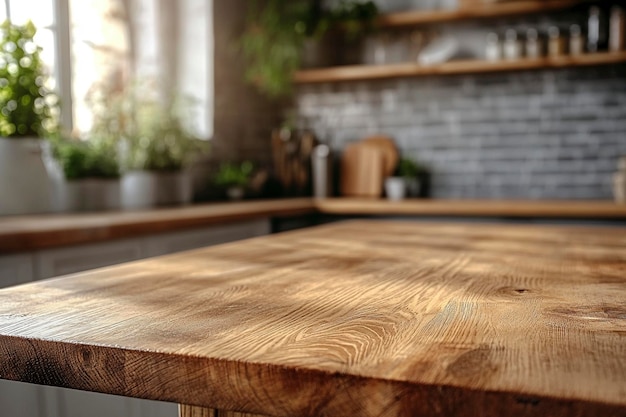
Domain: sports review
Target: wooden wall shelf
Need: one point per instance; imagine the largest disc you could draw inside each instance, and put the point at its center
(488, 10)
(371, 72)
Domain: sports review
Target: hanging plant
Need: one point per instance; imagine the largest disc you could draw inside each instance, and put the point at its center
(273, 40)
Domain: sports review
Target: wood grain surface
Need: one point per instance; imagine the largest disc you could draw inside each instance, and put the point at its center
(21, 233)
(388, 149)
(191, 411)
(351, 319)
(362, 170)
(474, 208)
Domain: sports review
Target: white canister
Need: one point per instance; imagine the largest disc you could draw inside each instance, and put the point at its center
(395, 188)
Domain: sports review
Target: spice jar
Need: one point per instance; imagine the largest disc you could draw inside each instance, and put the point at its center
(555, 42)
(575, 40)
(492, 48)
(511, 45)
(616, 29)
(533, 45)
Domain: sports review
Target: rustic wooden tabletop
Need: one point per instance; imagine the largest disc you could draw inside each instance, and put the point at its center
(362, 318)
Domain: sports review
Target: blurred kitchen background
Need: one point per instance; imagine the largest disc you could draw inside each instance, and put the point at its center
(493, 99)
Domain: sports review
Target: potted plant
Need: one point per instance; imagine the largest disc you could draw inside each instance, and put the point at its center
(91, 174)
(405, 181)
(234, 178)
(155, 147)
(28, 113)
(157, 150)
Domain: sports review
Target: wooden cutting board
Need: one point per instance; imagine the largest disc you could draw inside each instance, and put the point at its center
(362, 171)
(389, 151)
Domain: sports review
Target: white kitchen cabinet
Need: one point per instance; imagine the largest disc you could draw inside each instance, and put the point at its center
(16, 269)
(20, 399)
(55, 262)
(26, 400)
(73, 403)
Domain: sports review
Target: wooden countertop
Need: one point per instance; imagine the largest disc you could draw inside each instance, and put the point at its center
(19, 233)
(475, 208)
(362, 318)
(24, 233)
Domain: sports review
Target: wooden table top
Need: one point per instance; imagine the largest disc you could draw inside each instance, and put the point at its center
(360, 318)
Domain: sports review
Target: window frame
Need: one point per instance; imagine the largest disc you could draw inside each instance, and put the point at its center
(63, 53)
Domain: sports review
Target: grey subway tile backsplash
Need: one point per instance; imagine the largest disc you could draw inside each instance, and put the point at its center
(538, 134)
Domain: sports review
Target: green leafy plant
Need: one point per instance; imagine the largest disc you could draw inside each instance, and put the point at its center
(272, 43)
(95, 158)
(153, 135)
(27, 107)
(158, 141)
(234, 175)
(408, 168)
(355, 17)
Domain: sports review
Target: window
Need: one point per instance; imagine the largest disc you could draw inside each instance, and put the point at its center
(51, 19)
(89, 41)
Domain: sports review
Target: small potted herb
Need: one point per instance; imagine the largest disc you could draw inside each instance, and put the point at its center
(156, 147)
(234, 178)
(405, 181)
(158, 150)
(28, 113)
(91, 173)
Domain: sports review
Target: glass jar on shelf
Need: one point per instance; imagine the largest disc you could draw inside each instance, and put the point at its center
(533, 44)
(575, 40)
(493, 51)
(556, 45)
(511, 47)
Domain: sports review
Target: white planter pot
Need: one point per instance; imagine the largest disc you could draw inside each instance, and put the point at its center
(174, 188)
(24, 182)
(235, 193)
(139, 189)
(70, 196)
(100, 194)
(145, 189)
(90, 194)
(395, 188)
